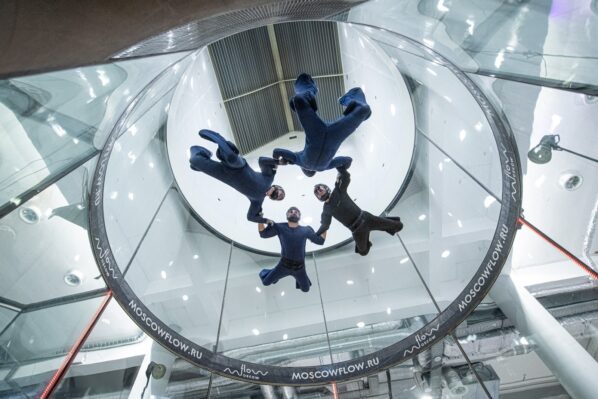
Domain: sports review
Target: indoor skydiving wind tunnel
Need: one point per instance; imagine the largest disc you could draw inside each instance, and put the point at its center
(125, 273)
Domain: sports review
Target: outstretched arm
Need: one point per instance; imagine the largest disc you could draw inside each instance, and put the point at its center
(343, 179)
(325, 220)
(268, 166)
(267, 231)
(316, 238)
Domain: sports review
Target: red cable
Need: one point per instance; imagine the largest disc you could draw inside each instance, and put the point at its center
(68, 360)
(334, 391)
(568, 254)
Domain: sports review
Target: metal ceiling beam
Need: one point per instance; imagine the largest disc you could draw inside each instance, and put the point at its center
(562, 354)
(280, 75)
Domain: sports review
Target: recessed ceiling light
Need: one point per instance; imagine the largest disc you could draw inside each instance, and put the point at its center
(588, 98)
(350, 282)
(285, 336)
(281, 293)
(404, 260)
(422, 216)
(196, 256)
(185, 297)
(373, 270)
(255, 331)
(361, 324)
(388, 311)
(73, 278)
(163, 274)
(445, 253)
(258, 289)
(570, 180)
(29, 215)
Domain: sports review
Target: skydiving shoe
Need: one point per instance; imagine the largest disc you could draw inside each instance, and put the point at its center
(307, 172)
(399, 227)
(264, 274)
(198, 151)
(305, 87)
(352, 99)
(227, 151)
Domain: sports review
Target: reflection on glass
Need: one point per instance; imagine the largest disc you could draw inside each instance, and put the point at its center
(48, 122)
(546, 42)
(51, 121)
(6, 317)
(275, 325)
(370, 302)
(179, 273)
(109, 360)
(138, 176)
(448, 116)
(34, 345)
(45, 246)
(449, 221)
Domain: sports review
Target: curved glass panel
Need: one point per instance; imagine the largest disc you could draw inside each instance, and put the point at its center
(52, 122)
(544, 42)
(45, 246)
(206, 298)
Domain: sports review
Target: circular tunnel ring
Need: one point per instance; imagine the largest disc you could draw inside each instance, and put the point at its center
(445, 322)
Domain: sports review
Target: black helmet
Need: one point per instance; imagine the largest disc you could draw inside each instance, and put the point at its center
(278, 193)
(322, 192)
(293, 214)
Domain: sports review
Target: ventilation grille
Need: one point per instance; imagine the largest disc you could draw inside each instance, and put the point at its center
(256, 93)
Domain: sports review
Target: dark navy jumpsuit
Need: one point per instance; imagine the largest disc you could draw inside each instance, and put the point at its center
(234, 171)
(292, 263)
(323, 139)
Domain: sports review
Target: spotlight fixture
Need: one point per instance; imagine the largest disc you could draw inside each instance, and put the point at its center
(542, 153)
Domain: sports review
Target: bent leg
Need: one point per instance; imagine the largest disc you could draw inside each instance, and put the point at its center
(340, 162)
(391, 225)
(271, 276)
(347, 124)
(227, 151)
(303, 105)
(200, 161)
(302, 281)
(361, 235)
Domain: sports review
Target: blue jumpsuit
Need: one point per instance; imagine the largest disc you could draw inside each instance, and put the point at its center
(292, 263)
(323, 139)
(234, 171)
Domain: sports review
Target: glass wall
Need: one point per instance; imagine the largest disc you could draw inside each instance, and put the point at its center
(208, 289)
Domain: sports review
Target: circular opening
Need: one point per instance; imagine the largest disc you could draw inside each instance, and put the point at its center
(29, 215)
(464, 180)
(73, 278)
(571, 181)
